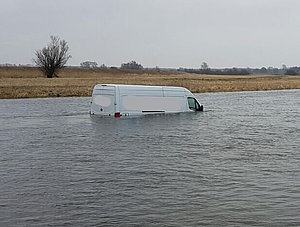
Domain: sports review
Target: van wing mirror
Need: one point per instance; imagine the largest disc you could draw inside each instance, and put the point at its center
(199, 107)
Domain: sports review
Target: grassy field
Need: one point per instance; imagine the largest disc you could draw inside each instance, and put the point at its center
(30, 82)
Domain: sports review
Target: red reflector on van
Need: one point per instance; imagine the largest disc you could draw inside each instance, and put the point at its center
(117, 114)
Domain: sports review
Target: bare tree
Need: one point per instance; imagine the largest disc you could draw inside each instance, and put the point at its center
(89, 64)
(132, 65)
(53, 57)
(204, 66)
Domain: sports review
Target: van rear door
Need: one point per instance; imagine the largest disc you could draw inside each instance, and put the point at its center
(104, 100)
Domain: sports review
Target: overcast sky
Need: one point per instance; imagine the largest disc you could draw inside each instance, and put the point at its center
(164, 33)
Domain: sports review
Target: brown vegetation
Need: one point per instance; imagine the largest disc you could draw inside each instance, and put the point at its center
(30, 82)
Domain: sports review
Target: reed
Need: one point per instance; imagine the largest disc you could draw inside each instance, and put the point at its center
(30, 82)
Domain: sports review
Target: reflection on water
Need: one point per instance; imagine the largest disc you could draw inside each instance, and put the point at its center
(236, 163)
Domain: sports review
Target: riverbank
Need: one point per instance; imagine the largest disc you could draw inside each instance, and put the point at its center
(30, 82)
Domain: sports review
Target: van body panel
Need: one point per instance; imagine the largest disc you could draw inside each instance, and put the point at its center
(151, 103)
(127, 100)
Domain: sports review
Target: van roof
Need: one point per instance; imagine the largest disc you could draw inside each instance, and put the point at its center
(140, 86)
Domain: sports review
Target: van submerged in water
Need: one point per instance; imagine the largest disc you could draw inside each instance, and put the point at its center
(118, 100)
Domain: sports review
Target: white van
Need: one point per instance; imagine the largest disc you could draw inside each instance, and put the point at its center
(128, 100)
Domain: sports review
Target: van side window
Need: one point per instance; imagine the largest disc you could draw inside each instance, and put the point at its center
(192, 103)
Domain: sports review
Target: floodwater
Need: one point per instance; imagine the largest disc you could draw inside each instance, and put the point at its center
(235, 164)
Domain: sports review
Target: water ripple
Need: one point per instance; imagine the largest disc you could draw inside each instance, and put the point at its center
(236, 164)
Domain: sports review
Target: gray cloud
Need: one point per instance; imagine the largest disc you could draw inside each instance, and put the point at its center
(167, 33)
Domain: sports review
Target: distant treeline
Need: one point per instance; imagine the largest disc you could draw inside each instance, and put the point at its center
(245, 71)
(275, 71)
(205, 69)
(227, 71)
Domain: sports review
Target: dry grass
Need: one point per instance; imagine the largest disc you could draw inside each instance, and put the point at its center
(30, 82)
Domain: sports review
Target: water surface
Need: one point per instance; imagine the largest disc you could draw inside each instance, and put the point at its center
(237, 163)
